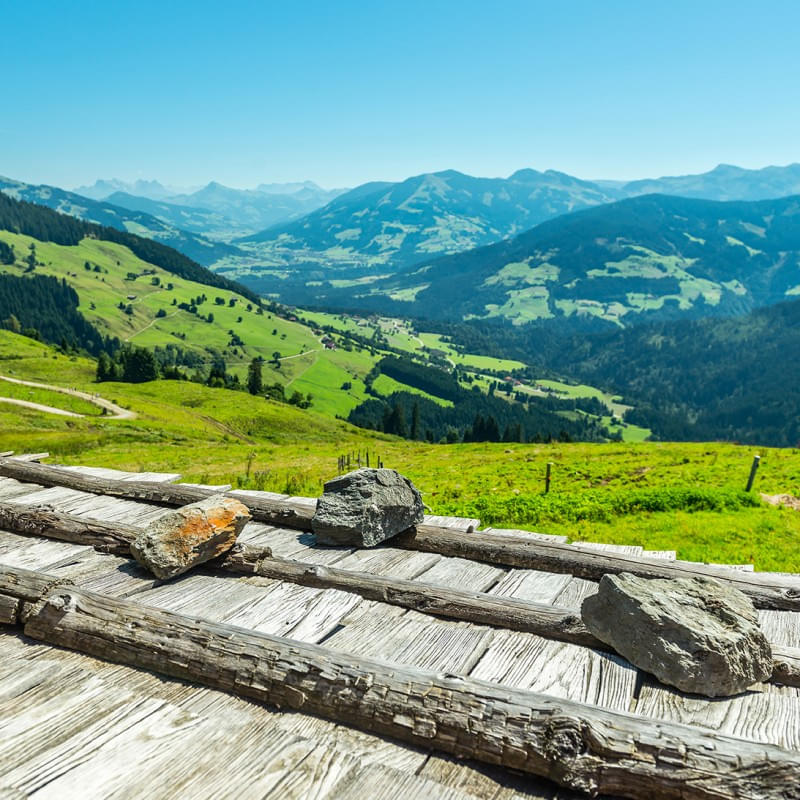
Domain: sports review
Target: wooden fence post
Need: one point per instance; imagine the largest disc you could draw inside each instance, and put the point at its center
(753, 470)
(547, 477)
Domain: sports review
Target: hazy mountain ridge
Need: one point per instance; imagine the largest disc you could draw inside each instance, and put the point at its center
(724, 182)
(197, 247)
(400, 223)
(215, 210)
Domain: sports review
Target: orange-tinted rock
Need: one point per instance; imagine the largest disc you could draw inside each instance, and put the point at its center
(190, 535)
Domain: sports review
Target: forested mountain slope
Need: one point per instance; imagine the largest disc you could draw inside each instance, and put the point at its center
(654, 256)
(726, 379)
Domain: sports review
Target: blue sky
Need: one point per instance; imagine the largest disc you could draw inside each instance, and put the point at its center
(344, 92)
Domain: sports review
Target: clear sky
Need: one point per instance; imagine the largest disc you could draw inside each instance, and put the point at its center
(342, 92)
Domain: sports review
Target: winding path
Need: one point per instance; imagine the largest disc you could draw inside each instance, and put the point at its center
(115, 411)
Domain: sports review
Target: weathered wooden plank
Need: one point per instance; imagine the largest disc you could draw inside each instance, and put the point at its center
(577, 745)
(759, 716)
(388, 561)
(31, 457)
(558, 669)
(214, 598)
(781, 627)
(44, 555)
(277, 512)
(414, 642)
(467, 525)
(10, 488)
(669, 555)
(778, 592)
(627, 549)
(460, 573)
(377, 782)
(514, 533)
(574, 593)
(292, 544)
(531, 585)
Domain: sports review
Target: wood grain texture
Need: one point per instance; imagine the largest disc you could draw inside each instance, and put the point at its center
(281, 512)
(477, 607)
(561, 623)
(576, 745)
(766, 591)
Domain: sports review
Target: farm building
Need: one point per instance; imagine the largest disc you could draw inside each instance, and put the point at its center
(449, 665)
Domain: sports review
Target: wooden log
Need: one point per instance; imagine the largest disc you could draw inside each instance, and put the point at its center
(774, 592)
(46, 522)
(10, 608)
(766, 591)
(578, 746)
(481, 608)
(264, 510)
(21, 589)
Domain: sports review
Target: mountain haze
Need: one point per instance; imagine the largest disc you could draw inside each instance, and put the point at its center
(196, 247)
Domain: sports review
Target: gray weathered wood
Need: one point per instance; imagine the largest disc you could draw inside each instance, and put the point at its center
(578, 746)
(544, 619)
(477, 607)
(292, 515)
(766, 591)
(44, 521)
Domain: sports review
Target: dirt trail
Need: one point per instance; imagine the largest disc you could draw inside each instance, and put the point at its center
(39, 407)
(115, 411)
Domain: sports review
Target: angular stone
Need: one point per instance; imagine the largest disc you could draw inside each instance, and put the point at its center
(696, 634)
(190, 535)
(366, 507)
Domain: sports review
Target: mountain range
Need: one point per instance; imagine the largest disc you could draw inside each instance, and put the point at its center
(201, 249)
(653, 256)
(377, 229)
(398, 246)
(214, 210)
(398, 224)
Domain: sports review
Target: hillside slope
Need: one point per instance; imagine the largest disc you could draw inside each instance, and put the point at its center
(196, 247)
(46, 225)
(646, 257)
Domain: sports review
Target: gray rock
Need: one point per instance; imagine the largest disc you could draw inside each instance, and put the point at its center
(696, 634)
(366, 507)
(190, 535)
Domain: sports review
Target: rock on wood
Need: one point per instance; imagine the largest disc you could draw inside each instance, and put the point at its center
(692, 633)
(366, 507)
(190, 535)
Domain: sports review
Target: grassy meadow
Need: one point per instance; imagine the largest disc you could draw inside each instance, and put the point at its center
(686, 497)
